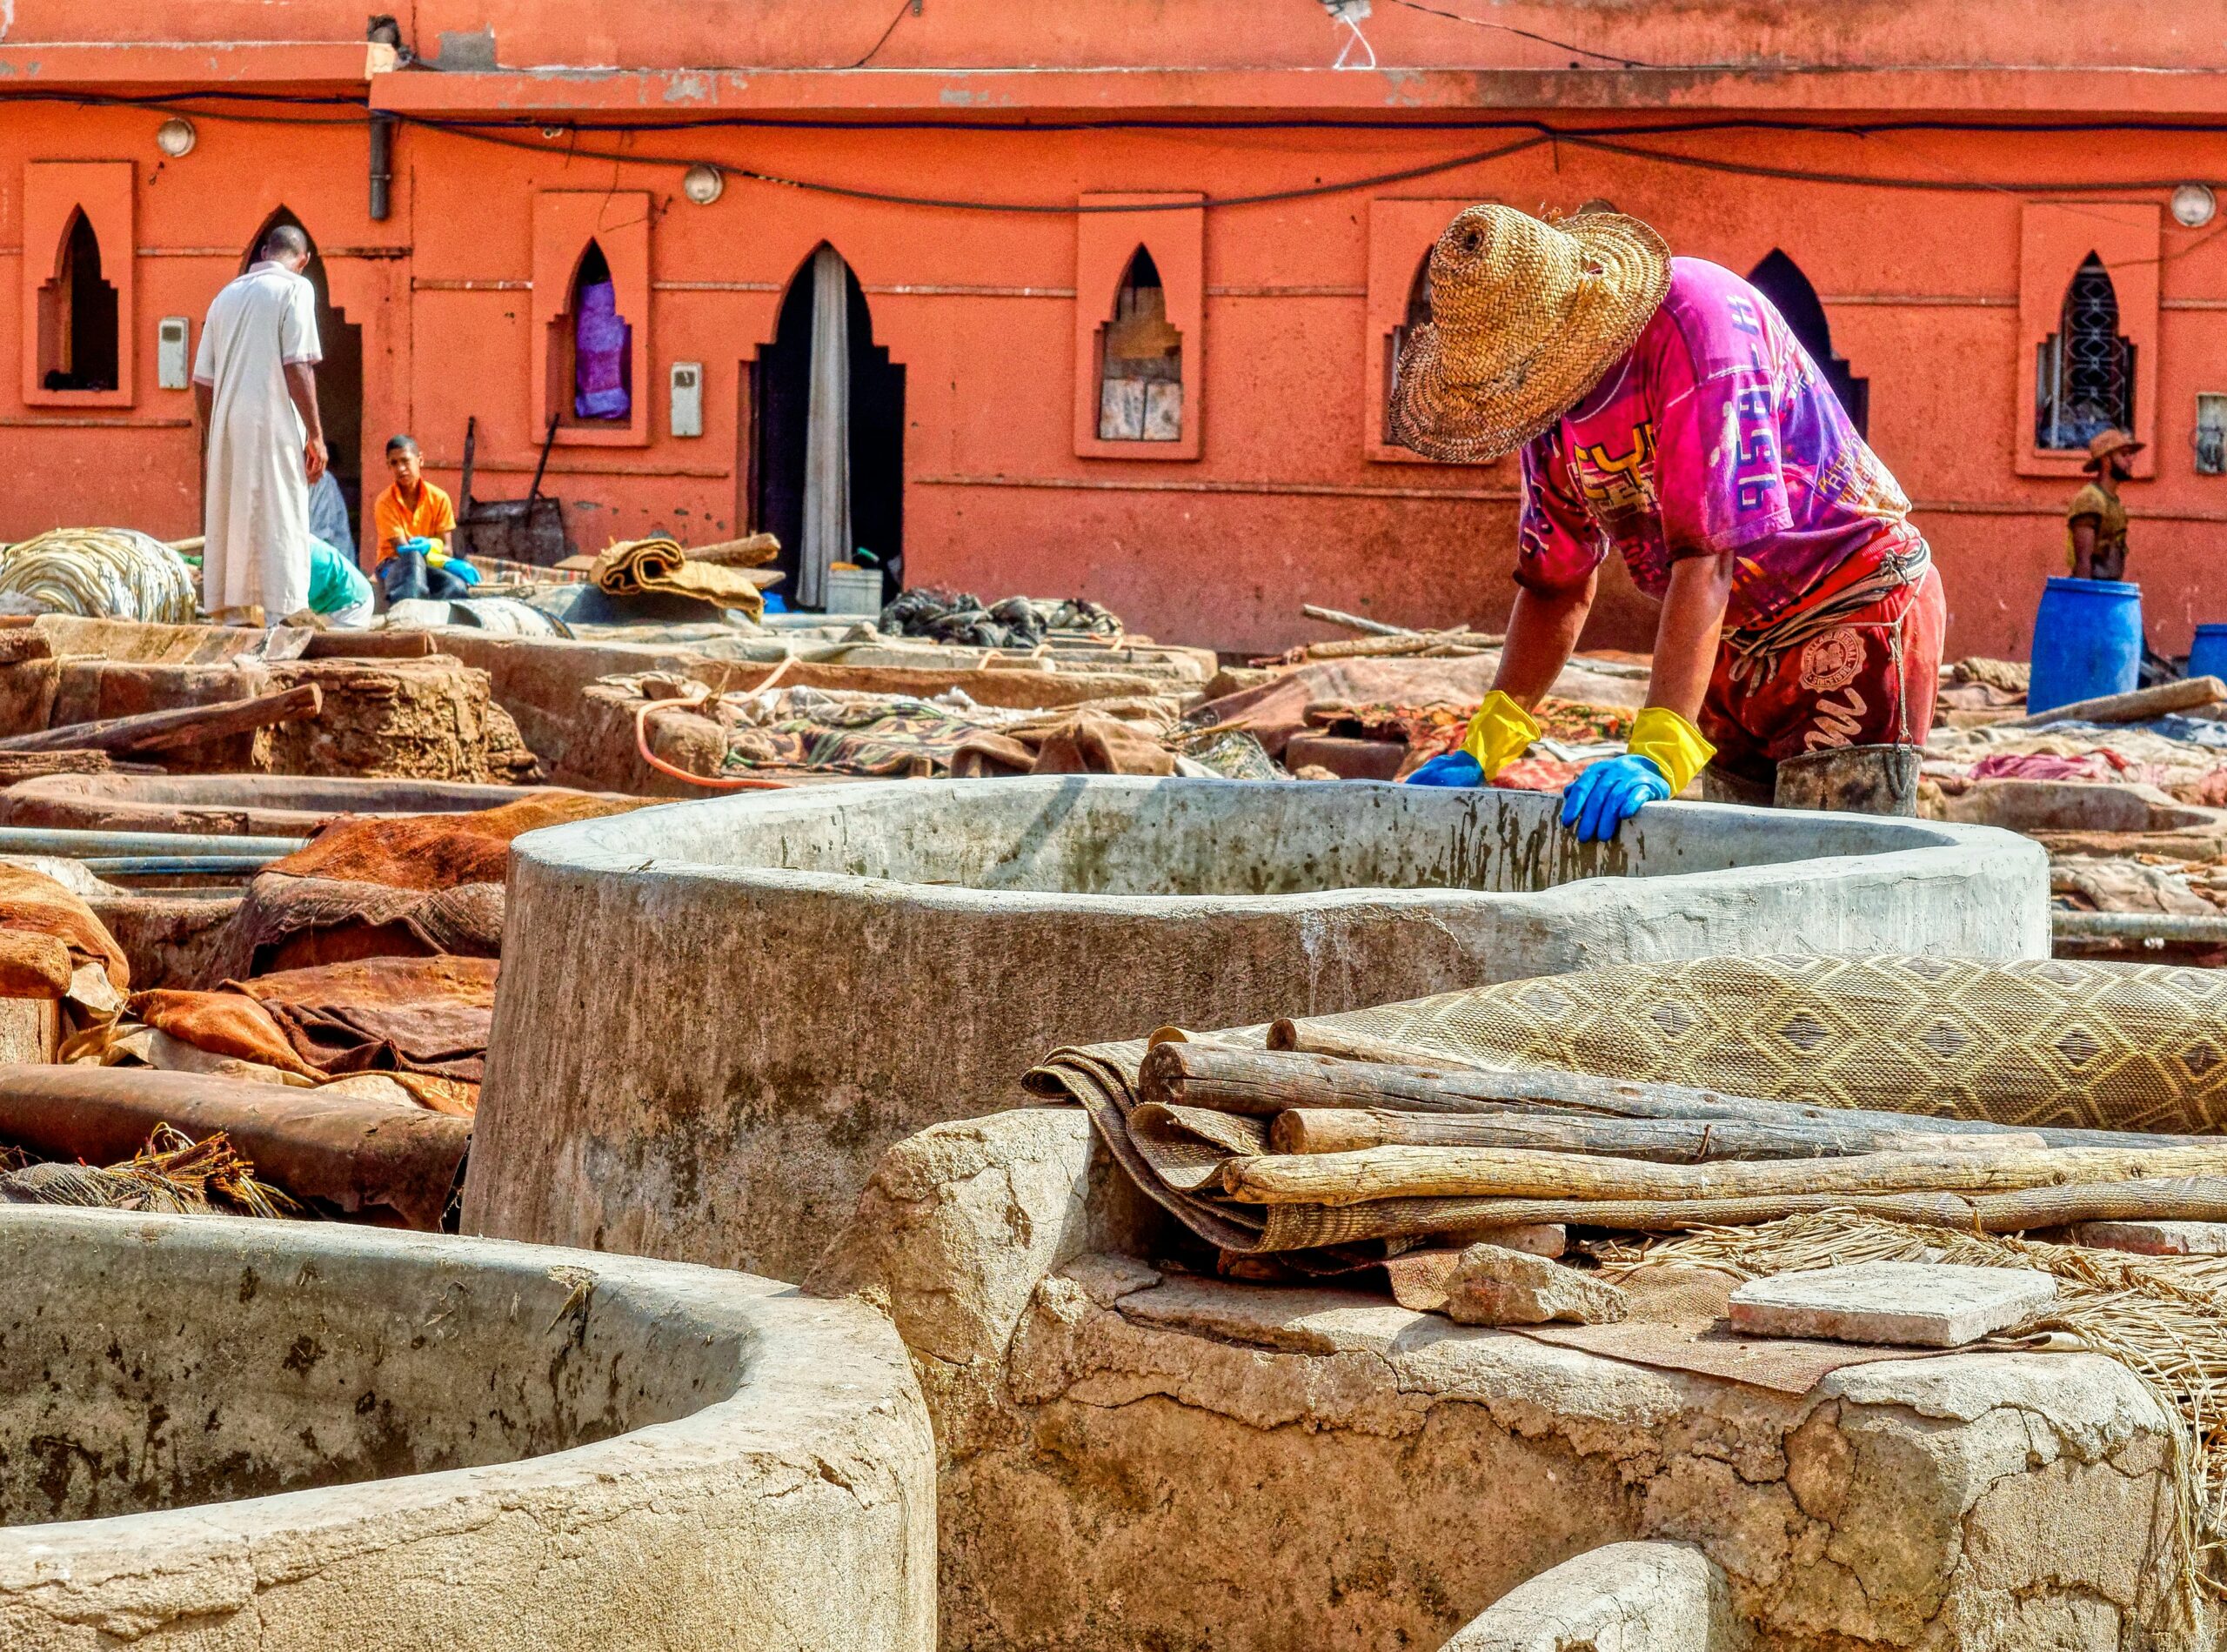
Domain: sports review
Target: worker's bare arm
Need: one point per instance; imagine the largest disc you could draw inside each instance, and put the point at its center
(1541, 632)
(1686, 637)
(204, 409)
(301, 385)
(2083, 546)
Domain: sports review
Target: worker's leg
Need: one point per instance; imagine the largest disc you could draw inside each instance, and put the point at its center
(1869, 680)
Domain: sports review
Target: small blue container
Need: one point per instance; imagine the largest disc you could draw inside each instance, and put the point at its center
(2209, 657)
(2087, 642)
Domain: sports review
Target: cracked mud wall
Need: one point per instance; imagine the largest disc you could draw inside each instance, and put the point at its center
(1133, 1457)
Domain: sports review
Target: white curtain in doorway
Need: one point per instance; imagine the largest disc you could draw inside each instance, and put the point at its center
(827, 432)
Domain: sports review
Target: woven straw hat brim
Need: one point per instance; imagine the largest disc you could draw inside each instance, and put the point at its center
(1443, 413)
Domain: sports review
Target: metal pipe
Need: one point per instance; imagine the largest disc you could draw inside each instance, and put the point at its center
(175, 865)
(75, 844)
(2140, 926)
(381, 165)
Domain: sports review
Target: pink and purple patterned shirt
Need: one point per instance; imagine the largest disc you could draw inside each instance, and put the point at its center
(1714, 433)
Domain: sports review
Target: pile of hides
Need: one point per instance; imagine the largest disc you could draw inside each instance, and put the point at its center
(1981, 687)
(97, 573)
(421, 1023)
(1573, 734)
(717, 574)
(48, 935)
(898, 736)
(1656, 1098)
(173, 1174)
(1109, 737)
(2184, 756)
(1017, 622)
(406, 886)
(1275, 709)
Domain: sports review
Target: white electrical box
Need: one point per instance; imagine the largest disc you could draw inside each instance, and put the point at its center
(173, 365)
(688, 399)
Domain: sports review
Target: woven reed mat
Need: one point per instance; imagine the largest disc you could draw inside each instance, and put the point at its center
(2115, 1047)
(2140, 1048)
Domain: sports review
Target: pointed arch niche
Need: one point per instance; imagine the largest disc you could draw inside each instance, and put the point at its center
(591, 316)
(1780, 279)
(2088, 331)
(1139, 313)
(78, 264)
(1400, 237)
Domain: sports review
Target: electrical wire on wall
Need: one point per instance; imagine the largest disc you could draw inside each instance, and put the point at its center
(539, 134)
(1348, 15)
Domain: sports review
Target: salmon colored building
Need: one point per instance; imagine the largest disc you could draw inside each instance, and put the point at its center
(1119, 283)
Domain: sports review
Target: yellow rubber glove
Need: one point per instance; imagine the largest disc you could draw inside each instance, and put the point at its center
(1500, 732)
(1677, 746)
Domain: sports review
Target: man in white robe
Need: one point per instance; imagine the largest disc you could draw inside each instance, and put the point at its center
(255, 387)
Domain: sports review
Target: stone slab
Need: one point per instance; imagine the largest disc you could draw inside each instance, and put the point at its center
(2153, 1238)
(1935, 1305)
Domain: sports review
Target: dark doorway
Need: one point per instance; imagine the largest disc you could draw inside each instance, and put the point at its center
(1780, 279)
(782, 396)
(339, 375)
(77, 320)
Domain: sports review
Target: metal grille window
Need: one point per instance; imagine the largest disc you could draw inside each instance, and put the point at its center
(2084, 370)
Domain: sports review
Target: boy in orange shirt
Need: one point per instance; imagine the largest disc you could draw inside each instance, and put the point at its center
(412, 508)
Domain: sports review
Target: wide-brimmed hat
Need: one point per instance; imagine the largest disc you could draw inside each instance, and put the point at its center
(1525, 318)
(2102, 446)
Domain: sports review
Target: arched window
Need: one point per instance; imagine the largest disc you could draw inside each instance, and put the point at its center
(1396, 340)
(2084, 370)
(596, 344)
(77, 316)
(1780, 279)
(1139, 361)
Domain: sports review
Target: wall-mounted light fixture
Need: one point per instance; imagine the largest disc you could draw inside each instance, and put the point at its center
(703, 183)
(2193, 205)
(176, 138)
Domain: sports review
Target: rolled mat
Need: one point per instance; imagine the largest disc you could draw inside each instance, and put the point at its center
(2136, 1048)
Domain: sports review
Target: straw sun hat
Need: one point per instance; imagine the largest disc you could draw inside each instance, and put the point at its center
(1525, 318)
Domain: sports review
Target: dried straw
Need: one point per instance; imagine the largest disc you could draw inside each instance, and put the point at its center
(173, 1174)
(2163, 1318)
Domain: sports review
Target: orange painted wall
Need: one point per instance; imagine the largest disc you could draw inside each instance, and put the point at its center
(1284, 504)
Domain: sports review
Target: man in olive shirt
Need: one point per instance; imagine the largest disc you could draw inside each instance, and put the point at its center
(2095, 520)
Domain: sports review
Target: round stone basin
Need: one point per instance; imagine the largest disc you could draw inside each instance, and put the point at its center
(290, 1434)
(714, 1017)
(279, 806)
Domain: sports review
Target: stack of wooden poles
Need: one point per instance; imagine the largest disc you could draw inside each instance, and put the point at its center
(1458, 1148)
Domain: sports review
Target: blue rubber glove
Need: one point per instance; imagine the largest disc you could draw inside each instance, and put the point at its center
(1450, 768)
(1607, 795)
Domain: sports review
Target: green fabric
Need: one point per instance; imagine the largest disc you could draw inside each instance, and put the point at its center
(335, 582)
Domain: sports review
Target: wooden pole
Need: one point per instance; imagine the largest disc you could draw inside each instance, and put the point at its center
(2132, 706)
(1494, 1172)
(1667, 1141)
(163, 730)
(1265, 1082)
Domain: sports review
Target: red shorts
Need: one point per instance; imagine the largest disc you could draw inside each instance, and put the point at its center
(1868, 679)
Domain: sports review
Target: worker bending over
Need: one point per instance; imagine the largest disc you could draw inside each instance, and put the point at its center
(1665, 409)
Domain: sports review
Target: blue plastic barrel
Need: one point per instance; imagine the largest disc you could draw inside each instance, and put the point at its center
(2209, 657)
(2087, 642)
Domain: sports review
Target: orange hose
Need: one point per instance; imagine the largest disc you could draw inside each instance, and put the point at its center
(710, 783)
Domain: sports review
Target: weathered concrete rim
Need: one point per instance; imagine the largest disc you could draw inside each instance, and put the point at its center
(633, 845)
(814, 1382)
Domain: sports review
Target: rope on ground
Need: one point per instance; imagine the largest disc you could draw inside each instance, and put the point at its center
(710, 783)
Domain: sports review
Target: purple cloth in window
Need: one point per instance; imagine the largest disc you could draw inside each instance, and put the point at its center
(602, 356)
